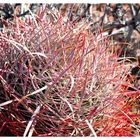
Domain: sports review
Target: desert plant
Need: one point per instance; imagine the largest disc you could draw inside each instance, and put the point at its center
(57, 78)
